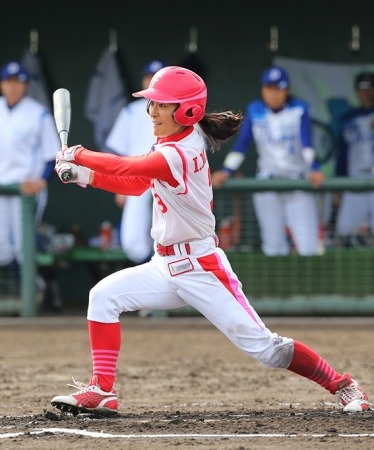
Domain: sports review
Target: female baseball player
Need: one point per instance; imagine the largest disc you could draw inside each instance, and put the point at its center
(280, 126)
(188, 266)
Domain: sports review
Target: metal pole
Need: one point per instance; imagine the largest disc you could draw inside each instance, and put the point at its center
(28, 283)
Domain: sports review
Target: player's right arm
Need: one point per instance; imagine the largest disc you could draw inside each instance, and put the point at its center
(128, 175)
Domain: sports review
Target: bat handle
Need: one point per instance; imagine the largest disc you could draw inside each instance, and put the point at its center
(66, 174)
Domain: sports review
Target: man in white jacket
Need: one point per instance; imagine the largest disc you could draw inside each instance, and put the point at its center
(132, 135)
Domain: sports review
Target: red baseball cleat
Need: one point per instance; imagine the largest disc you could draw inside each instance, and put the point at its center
(89, 399)
(349, 394)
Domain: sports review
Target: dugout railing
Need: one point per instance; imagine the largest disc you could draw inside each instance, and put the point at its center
(337, 282)
(24, 303)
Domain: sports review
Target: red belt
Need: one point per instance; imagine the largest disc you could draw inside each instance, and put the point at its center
(169, 250)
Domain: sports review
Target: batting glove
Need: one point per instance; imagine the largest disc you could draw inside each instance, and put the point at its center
(67, 154)
(72, 173)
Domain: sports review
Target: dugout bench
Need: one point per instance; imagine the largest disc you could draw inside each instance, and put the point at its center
(69, 275)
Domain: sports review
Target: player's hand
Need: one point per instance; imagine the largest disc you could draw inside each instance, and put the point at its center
(317, 178)
(67, 154)
(120, 200)
(80, 175)
(219, 178)
(32, 187)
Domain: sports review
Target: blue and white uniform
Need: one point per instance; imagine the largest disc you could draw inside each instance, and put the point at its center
(284, 145)
(28, 145)
(356, 159)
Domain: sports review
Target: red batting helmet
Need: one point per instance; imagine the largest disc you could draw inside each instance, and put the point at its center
(175, 84)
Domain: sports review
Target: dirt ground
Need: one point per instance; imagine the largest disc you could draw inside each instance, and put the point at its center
(181, 385)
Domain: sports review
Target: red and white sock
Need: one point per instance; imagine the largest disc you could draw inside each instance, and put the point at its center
(105, 340)
(307, 363)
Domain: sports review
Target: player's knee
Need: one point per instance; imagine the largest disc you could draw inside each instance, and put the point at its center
(278, 354)
(101, 307)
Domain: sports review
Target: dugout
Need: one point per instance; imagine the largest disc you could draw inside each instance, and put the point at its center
(233, 45)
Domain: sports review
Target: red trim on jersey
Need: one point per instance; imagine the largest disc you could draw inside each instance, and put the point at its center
(184, 167)
(185, 171)
(175, 137)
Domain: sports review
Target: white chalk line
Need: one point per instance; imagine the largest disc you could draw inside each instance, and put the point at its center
(94, 434)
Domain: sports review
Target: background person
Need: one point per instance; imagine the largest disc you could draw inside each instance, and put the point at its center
(280, 127)
(132, 135)
(28, 146)
(356, 159)
(188, 267)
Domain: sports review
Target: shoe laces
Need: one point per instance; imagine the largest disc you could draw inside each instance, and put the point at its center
(80, 386)
(349, 393)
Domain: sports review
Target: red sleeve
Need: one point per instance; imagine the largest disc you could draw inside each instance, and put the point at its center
(151, 165)
(121, 185)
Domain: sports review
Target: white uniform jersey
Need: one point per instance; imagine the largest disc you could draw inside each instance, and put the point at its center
(191, 200)
(132, 133)
(279, 144)
(280, 138)
(356, 144)
(29, 139)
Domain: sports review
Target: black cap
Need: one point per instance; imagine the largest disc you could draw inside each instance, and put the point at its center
(364, 80)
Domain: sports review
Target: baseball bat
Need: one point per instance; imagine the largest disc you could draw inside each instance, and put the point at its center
(62, 115)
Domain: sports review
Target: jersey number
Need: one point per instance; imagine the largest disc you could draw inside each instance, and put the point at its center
(161, 203)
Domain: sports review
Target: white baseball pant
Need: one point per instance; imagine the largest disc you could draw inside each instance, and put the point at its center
(203, 279)
(136, 222)
(356, 209)
(298, 210)
(10, 229)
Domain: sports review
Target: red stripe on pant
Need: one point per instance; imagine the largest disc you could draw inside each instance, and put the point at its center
(211, 264)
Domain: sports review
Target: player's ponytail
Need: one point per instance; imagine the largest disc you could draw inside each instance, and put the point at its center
(218, 127)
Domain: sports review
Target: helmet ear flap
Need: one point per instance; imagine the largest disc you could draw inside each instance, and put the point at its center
(189, 113)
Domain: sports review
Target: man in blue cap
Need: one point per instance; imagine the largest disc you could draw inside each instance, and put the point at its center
(131, 135)
(28, 145)
(355, 158)
(280, 127)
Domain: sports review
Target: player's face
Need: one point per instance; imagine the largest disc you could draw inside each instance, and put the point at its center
(162, 116)
(274, 97)
(13, 90)
(366, 98)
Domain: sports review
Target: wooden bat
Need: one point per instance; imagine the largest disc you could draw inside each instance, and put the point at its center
(62, 115)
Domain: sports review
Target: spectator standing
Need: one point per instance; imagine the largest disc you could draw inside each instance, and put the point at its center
(28, 145)
(132, 135)
(280, 127)
(356, 159)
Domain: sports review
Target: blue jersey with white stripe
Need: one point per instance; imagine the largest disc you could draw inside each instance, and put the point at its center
(356, 143)
(279, 137)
